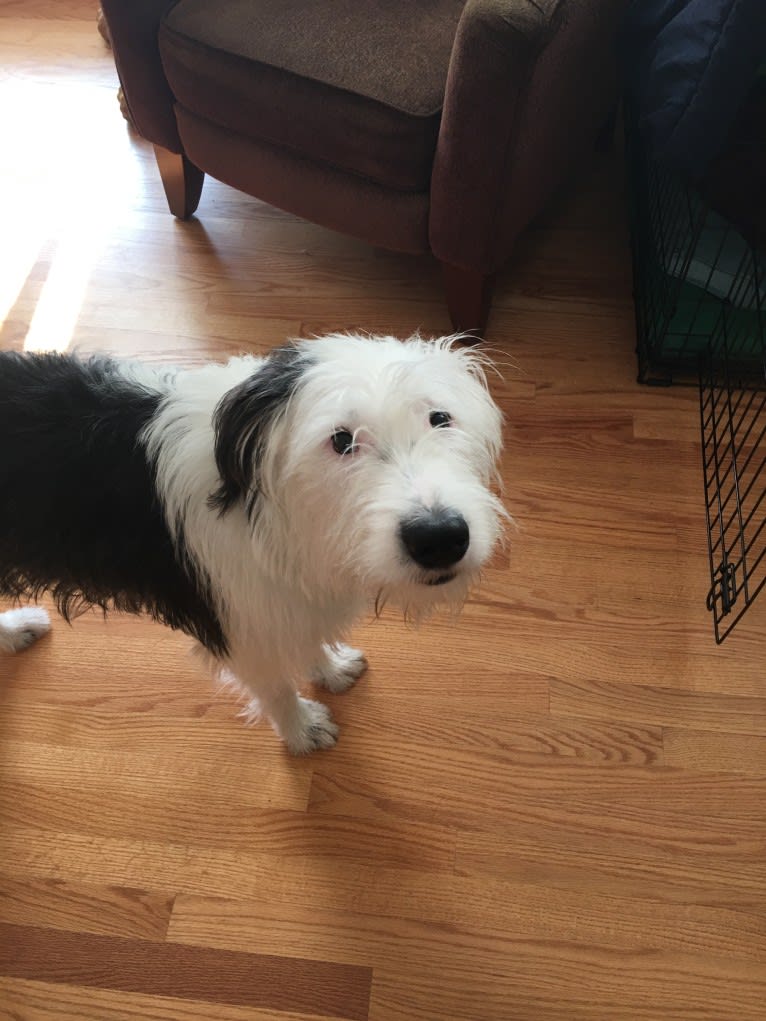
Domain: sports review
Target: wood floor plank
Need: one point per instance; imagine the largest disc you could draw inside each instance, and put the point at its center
(169, 969)
(82, 907)
(487, 915)
(204, 822)
(214, 871)
(582, 985)
(47, 1001)
(711, 751)
(663, 706)
(523, 738)
(667, 803)
(165, 728)
(152, 776)
(435, 970)
(713, 871)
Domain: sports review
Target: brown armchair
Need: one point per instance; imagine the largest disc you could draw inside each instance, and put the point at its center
(437, 126)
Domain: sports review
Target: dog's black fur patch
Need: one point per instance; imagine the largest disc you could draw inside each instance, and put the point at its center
(242, 421)
(79, 512)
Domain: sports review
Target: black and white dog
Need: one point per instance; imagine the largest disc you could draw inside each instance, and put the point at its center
(260, 505)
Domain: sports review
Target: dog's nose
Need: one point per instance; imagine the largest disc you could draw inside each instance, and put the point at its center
(438, 539)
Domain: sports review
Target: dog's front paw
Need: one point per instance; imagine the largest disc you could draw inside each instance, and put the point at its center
(340, 668)
(313, 728)
(20, 628)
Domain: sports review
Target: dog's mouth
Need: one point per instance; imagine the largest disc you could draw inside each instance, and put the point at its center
(441, 579)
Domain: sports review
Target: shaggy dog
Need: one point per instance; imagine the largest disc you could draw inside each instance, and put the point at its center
(260, 505)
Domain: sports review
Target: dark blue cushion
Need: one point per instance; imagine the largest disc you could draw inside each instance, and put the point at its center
(689, 66)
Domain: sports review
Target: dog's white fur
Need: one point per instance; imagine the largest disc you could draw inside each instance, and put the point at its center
(20, 628)
(324, 543)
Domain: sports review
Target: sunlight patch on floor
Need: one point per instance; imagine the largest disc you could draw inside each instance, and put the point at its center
(84, 184)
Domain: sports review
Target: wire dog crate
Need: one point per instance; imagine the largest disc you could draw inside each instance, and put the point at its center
(733, 416)
(695, 278)
(700, 298)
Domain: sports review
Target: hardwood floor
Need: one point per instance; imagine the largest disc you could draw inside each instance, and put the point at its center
(552, 810)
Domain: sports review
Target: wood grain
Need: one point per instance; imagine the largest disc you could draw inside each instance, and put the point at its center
(551, 809)
(171, 969)
(660, 705)
(45, 1001)
(713, 752)
(80, 907)
(449, 964)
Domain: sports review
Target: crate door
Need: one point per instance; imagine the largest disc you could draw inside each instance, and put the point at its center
(733, 414)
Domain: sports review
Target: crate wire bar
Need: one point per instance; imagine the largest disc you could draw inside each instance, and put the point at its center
(732, 384)
(733, 417)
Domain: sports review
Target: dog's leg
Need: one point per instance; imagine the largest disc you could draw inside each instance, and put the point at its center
(304, 725)
(338, 668)
(20, 628)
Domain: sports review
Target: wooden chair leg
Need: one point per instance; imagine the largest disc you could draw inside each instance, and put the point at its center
(181, 180)
(469, 296)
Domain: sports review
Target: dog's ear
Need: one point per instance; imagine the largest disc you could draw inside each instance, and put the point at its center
(242, 421)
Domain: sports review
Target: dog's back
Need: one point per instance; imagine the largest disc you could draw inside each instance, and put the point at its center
(79, 513)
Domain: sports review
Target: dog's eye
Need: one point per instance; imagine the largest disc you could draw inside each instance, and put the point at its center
(342, 442)
(439, 419)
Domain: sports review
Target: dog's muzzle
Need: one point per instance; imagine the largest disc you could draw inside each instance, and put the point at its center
(436, 540)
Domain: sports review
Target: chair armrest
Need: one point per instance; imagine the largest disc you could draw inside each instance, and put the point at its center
(134, 32)
(529, 84)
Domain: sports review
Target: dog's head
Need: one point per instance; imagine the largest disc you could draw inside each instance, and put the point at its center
(365, 466)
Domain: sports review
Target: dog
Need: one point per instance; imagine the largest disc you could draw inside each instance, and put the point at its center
(261, 505)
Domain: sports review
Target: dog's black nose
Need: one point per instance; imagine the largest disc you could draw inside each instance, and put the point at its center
(437, 539)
